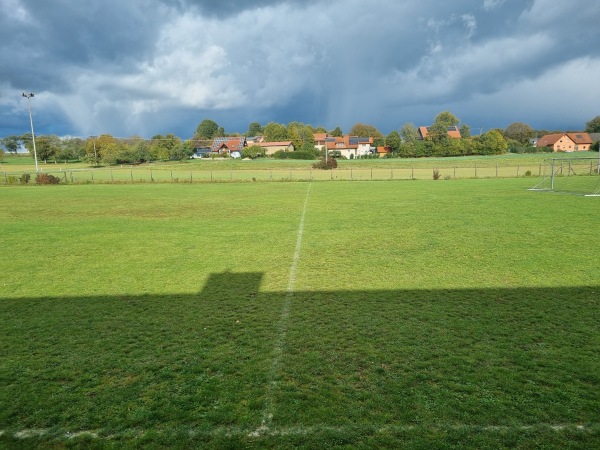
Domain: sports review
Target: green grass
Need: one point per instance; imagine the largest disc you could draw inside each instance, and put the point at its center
(423, 314)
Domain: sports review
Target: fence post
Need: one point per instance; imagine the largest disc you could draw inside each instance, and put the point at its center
(412, 173)
(151, 177)
(131, 173)
(371, 174)
(111, 176)
(191, 177)
(92, 176)
(350, 173)
(518, 169)
(71, 176)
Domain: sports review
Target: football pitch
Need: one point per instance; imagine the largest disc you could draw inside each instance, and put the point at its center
(383, 314)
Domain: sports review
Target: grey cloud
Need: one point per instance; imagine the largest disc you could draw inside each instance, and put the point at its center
(148, 66)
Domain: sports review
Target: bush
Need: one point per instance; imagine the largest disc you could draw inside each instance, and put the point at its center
(24, 179)
(331, 163)
(44, 178)
(436, 174)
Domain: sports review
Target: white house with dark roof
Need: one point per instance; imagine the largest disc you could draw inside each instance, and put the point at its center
(228, 146)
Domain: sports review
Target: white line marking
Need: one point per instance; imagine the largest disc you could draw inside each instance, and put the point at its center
(137, 433)
(267, 415)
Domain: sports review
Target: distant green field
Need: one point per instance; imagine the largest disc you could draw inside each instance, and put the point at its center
(417, 314)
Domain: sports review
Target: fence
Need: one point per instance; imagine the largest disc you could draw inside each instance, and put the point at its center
(146, 174)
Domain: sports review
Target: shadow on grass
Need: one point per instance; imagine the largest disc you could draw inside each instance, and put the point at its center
(368, 367)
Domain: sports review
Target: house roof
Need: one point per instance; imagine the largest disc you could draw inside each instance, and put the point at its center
(550, 139)
(580, 138)
(453, 132)
(347, 142)
(320, 137)
(230, 143)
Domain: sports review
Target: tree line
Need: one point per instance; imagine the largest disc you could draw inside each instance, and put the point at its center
(403, 143)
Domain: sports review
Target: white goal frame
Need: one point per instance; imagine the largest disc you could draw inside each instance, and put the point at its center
(556, 168)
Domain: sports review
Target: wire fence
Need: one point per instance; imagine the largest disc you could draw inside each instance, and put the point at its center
(147, 174)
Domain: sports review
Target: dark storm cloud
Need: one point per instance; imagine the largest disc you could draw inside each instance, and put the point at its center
(157, 66)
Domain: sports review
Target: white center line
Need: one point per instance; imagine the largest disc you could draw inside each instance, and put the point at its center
(267, 415)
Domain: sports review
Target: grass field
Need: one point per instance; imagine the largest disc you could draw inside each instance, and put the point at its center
(418, 314)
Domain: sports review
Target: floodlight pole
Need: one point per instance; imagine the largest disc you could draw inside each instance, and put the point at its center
(28, 96)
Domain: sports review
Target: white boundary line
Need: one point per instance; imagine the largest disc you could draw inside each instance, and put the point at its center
(267, 414)
(136, 433)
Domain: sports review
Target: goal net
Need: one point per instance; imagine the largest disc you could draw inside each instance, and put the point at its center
(580, 176)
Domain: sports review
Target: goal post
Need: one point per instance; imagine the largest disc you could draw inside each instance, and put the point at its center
(578, 176)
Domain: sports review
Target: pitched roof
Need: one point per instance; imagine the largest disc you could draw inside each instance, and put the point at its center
(230, 143)
(347, 142)
(580, 138)
(453, 132)
(320, 137)
(549, 140)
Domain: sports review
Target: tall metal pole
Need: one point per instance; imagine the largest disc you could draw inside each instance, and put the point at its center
(31, 122)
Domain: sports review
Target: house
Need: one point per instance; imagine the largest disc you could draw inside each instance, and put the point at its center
(274, 147)
(228, 146)
(566, 142)
(453, 132)
(201, 152)
(382, 151)
(320, 139)
(254, 140)
(349, 146)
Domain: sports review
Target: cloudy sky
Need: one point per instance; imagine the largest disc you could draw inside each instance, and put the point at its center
(143, 67)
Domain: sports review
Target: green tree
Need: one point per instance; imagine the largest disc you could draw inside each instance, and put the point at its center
(47, 147)
(337, 132)
(492, 143)
(11, 143)
(275, 132)
(393, 140)
(465, 131)
(71, 149)
(439, 130)
(409, 132)
(254, 129)
(208, 129)
(593, 126)
(253, 151)
(181, 151)
(520, 132)
(364, 130)
(100, 148)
